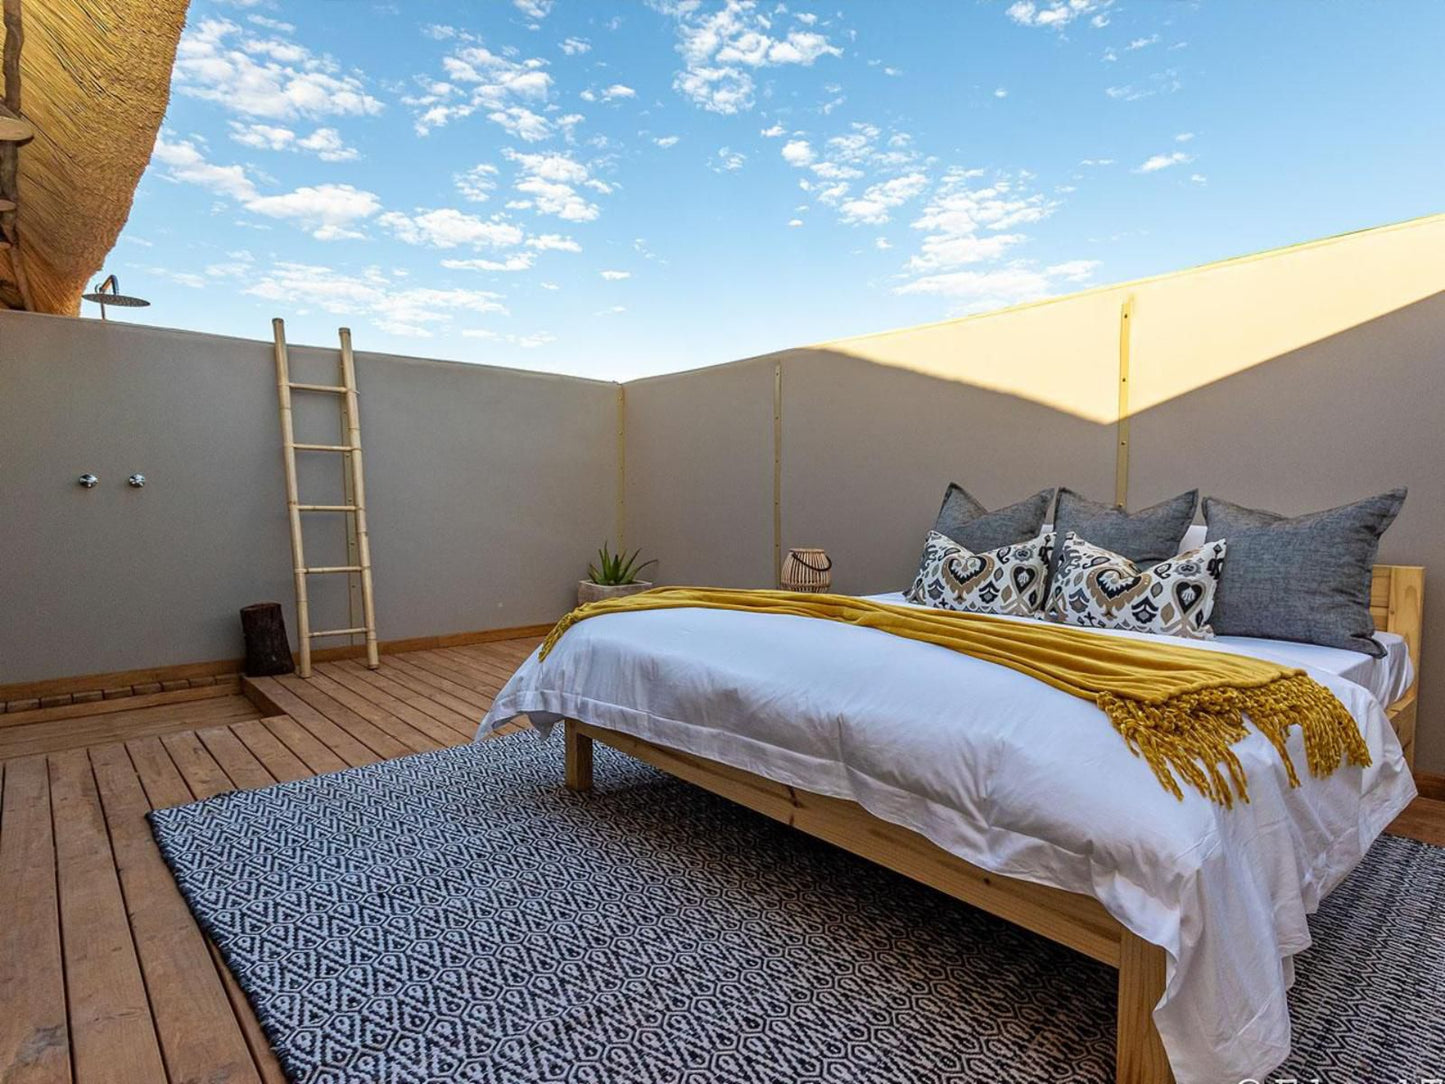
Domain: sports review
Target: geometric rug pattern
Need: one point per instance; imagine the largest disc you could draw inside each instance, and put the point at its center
(460, 916)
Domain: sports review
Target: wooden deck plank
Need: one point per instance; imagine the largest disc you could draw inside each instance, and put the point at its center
(320, 693)
(366, 681)
(88, 708)
(243, 769)
(490, 660)
(461, 669)
(112, 1035)
(198, 768)
(309, 749)
(285, 695)
(280, 761)
(438, 687)
(103, 729)
(200, 1037)
(341, 742)
(34, 1037)
(373, 703)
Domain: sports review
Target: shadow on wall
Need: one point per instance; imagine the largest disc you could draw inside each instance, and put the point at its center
(867, 449)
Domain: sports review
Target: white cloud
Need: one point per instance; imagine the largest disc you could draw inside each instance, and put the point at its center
(522, 122)
(517, 261)
(728, 160)
(384, 299)
(265, 77)
(534, 9)
(1199, 178)
(549, 182)
(1141, 43)
(477, 183)
(553, 242)
(616, 92)
(478, 80)
(722, 47)
(615, 276)
(774, 132)
(1097, 162)
(1183, 137)
(798, 152)
(1155, 163)
(447, 227)
(186, 164)
(526, 342)
(1000, 92)
(877, 200)
(1058, 13)
(1013, 284)
(615, 310)
(325, 143)
(795, 222)
(667, 141)
(329, 211)
(575, 46)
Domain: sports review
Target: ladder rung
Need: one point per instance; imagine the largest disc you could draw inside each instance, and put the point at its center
(332, 568)
(326, 508)
(338, 632)
(333, 388)
(325, 448)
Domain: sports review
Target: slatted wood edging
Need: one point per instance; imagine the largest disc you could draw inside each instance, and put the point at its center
(115, 681)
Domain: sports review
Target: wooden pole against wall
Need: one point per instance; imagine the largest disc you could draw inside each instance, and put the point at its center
(10, 151)
(621, 510)
(778, 474)
(293, 511)
(358, 490)
(1121, 450)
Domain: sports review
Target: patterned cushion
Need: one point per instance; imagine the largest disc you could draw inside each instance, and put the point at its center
(1009, 580)
(1306, 578)
(963, 519)
(1099, 589)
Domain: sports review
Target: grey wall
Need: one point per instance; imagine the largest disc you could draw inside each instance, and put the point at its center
(868, 451)
(1351, 415)
(487, 489)
(700, 474)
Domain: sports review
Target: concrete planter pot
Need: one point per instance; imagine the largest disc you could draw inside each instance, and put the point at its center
(587, 591)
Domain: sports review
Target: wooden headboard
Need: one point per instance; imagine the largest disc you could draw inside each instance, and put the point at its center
(1397, 598)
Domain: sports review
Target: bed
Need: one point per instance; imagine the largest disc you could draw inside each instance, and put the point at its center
(1016, 798)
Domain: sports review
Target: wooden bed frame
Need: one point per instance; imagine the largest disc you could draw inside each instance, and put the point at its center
(1069, 918)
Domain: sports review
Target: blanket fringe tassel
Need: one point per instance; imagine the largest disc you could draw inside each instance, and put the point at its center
(1189, 736)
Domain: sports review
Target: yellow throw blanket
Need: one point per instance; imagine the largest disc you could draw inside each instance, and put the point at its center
(1179, 708)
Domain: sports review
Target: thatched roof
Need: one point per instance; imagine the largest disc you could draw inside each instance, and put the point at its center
(96, 77)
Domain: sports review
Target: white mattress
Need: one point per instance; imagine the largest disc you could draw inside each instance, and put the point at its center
(1011, 775)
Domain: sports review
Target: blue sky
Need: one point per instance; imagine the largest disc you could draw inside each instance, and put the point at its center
(615, 190)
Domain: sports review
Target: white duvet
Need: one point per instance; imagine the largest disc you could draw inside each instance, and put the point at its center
(1013, 776)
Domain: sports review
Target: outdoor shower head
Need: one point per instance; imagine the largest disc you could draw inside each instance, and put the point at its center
(108, 293)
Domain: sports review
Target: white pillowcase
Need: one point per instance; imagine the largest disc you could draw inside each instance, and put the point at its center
(1096, 588)
(1010, 580)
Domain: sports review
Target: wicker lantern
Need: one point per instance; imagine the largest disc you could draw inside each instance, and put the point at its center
(807, 570)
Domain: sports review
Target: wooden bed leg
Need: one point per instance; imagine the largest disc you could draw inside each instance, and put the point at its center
(579, 758)
(1140, 1055)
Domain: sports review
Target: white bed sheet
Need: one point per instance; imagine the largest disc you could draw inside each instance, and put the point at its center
(1011, 775)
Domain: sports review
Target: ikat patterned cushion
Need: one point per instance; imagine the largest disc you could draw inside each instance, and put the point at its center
(1009, 580)
(1096, 588)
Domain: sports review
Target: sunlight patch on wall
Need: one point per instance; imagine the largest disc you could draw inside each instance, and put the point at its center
(1190, 328)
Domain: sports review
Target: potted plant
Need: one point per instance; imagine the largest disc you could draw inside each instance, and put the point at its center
(614, 575)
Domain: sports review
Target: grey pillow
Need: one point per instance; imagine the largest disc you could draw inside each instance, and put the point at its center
(975, 528)
(1145, 537)
(1305, 578)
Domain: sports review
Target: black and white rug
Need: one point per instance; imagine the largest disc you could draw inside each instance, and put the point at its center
(460, 916)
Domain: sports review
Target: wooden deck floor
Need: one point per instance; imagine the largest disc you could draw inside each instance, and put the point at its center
(104, 976)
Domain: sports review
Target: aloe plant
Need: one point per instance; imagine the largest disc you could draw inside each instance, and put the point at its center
(615, 569)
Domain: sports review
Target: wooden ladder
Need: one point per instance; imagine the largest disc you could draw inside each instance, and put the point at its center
(355, 500)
